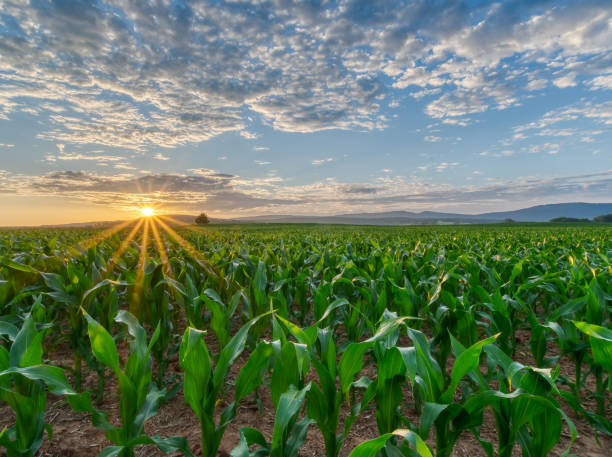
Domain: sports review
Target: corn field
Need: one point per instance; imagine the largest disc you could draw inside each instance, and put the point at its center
(498, 335)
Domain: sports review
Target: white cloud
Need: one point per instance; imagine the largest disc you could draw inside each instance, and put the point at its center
(568, 80)
(249, 135)
(601, 82)
(160, 156)
(88, 157)
(432, 138)
(134, 74)
(322, 161)
(537, 84)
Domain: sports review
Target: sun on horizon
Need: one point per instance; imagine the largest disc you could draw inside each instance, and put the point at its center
(147, 211)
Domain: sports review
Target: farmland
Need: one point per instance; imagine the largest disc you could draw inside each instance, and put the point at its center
(286, 340)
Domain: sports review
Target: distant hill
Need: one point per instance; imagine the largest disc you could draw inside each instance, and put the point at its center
(540, 213)
(543, 213)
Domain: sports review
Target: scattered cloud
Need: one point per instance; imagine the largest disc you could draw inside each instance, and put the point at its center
(445, 166)
(131, 75)
(568, 80)
(322, 161)
(249, 135)
(160, 156)
(222, 193)
(63, 156)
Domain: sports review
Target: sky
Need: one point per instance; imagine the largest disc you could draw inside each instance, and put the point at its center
(243, 108)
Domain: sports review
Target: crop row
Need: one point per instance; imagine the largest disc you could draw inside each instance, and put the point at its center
(435, 313)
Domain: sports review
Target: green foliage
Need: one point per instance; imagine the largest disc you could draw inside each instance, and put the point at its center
(205, 378)
(23, 378)
(367, 313)
(288, 435)
(139, 398)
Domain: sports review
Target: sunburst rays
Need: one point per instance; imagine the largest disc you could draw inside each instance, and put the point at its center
(149, 230)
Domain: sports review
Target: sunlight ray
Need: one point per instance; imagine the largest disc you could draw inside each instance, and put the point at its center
(142, 260)
(161, 248)
(84, 245)
(175, 221)
(193, 252)
(122, 247)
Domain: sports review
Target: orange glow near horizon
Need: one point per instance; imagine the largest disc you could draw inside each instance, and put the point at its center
(147, 211)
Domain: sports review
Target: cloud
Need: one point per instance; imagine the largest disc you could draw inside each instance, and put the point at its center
(445, 165)
(568, 80)
(136, 74)
(318, 162)
(598, 113)
(601, 82)
(432, 138)
(226, 194)
(249, 135)
(549, 148)
(64, 156)
(160, 156)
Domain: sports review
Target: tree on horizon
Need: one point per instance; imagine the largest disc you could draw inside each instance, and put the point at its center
(202, 219)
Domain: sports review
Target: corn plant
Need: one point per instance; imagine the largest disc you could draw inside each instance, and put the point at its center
(448, 417)
(139, 398)
(288, 434)
(600, 340)
(23, 378)
(412, 445)
(524, 407)
(204, 380)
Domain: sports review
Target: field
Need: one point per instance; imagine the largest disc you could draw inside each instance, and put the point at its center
(284, 340)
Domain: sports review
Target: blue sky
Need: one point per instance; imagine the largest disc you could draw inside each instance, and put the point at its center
(310, 107)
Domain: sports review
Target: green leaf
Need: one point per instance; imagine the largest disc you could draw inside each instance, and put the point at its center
(419, 445)
(102, 344)
(251, 374)
(351, 363)
(288, 406)
(370, 448)
(430, 413)
(467, 361)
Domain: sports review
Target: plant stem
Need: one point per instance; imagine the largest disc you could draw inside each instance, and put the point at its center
(578, 382)
(78, 373)
(600, 392)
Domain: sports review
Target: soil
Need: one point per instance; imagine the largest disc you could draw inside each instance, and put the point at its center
(73, 434)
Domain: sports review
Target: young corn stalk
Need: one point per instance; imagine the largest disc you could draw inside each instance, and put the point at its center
(412, 445)
(448, 417)
(204, 380)
(288, 434)
(600, 339)
(139, 398)
(23, 378)
(524, 407)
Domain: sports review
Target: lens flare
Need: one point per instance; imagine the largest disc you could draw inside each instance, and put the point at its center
(147, 211)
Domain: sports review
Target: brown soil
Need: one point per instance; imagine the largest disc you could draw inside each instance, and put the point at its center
(75, 436)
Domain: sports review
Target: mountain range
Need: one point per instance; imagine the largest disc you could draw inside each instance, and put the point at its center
(540, 213)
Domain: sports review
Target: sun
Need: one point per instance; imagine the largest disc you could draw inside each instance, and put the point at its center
(147, 211)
